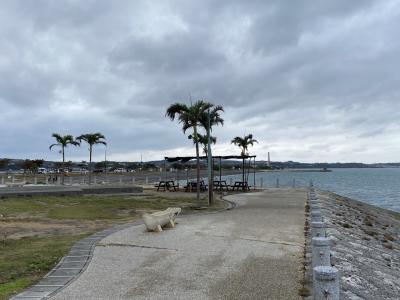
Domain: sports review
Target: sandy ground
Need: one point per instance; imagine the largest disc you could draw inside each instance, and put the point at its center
(365, 247)
(252, 252)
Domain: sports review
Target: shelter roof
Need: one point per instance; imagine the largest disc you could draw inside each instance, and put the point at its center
(188, 158)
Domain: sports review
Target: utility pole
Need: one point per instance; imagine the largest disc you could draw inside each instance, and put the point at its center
(209, 158)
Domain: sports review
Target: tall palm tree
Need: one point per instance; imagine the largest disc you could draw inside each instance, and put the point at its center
(243, 144)
(92, 139)
(63, 142)
(193, 117)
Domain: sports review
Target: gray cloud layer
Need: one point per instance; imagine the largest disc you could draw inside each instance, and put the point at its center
(312, 80)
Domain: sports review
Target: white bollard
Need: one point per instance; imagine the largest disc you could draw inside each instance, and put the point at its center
(326, 283)
(318, 229)
(321, 255)
(95, 179)
(147, 180)
(316, 215)
(315, 206)
(120, 180)
(13, 179)
(35, 180)
(133, 179)
(2, 179)
(59, 180)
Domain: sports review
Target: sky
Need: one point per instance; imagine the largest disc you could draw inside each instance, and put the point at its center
(312, 80)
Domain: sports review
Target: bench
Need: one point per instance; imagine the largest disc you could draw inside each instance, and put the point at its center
(167, 185)
(220, 185)
(15, 184)
(241, 185)
(192, 186)
(157, 220)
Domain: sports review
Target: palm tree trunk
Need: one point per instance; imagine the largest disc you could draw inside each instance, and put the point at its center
(90, 164)
(243, 171)
(198, 166)
(63, 163)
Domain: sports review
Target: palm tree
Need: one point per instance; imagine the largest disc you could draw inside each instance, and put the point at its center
(243, 144)
(92, 139)
(203, 140)
(194, 116)
(63, 142)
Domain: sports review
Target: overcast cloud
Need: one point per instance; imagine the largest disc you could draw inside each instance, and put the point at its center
(312, 80)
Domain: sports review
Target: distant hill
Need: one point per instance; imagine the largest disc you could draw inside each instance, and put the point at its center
(15, 164)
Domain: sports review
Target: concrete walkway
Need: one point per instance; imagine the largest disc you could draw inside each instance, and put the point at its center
(251, 252)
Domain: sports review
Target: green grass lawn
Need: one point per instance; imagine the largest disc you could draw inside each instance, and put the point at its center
(26, 260)
(87, 207)
(23, 261)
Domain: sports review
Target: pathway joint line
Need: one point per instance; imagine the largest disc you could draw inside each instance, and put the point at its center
(260, 241)
(79, 256)
(134, 246)
(49, 285)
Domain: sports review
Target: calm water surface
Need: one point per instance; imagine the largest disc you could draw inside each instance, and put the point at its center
(380, 187)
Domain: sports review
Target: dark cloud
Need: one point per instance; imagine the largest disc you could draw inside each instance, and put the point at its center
(313, 80)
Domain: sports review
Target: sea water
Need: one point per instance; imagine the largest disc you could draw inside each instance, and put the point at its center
(376, 186)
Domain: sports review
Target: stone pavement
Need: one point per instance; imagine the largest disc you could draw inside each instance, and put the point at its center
(251, 252)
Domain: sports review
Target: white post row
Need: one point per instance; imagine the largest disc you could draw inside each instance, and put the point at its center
(325, 277)
(326, 283)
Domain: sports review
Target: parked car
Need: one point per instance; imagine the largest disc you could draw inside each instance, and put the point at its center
(79, 171)
(120, 170)
(98, 170)
(42, 171)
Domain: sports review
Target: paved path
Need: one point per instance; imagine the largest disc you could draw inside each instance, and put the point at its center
(251, 252)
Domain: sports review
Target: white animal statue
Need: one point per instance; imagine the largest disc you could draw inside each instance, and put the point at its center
(155, 221)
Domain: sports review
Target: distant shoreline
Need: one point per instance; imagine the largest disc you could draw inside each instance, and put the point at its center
(298, 170)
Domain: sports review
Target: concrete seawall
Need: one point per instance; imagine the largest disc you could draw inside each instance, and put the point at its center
(365, 247)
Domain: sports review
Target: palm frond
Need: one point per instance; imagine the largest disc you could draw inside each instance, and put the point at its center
(51, 146)
(176, 109)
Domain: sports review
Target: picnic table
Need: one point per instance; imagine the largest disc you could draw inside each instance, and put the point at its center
(192, 186)
(243, 185)
(220, 185)
(167, 185)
